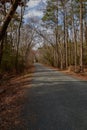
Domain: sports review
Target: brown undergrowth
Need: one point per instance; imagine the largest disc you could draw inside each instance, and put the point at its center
(12, 99)
(82, 76)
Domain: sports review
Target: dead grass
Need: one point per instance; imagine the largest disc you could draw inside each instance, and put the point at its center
(82, 76)
(12, 99)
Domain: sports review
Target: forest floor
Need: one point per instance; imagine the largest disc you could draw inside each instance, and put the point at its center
(12, 99)
(12, 96)
(82, 76)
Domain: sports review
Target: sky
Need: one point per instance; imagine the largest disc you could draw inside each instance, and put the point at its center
(34, 11)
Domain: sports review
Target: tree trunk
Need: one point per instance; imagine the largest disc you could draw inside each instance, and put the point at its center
(8, 19)
(1, 50)
(67, 47)
(81, 35)
(16, 62)
(75, 46)
(86, 33)
(64, 39)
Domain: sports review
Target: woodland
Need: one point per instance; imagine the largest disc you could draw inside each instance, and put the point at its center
(67, 44)
(16, 58)
(64, 36)
(15, 38)
(59, 41)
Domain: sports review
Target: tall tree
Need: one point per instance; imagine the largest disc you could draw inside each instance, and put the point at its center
(81, 35)
(9, 16)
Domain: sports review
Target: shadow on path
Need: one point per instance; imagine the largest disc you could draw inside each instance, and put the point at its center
(55, 102)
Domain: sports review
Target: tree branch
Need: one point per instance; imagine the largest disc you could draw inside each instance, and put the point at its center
(8, 18)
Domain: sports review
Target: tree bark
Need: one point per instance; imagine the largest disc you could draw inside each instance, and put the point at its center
(81, 36)
(86, 33)
(8, 19)
(1, 50)
(16, 62)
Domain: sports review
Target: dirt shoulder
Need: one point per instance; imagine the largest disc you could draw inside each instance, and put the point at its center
(12, 99)
(82, 76)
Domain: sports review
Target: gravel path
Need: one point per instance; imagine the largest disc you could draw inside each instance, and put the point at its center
(55, 101)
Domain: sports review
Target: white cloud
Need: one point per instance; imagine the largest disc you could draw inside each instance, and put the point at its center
(34, 9)
(33, 13)
(33, 3)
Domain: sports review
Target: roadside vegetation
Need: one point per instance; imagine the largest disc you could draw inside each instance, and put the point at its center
(63, 44)
(16, 61)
